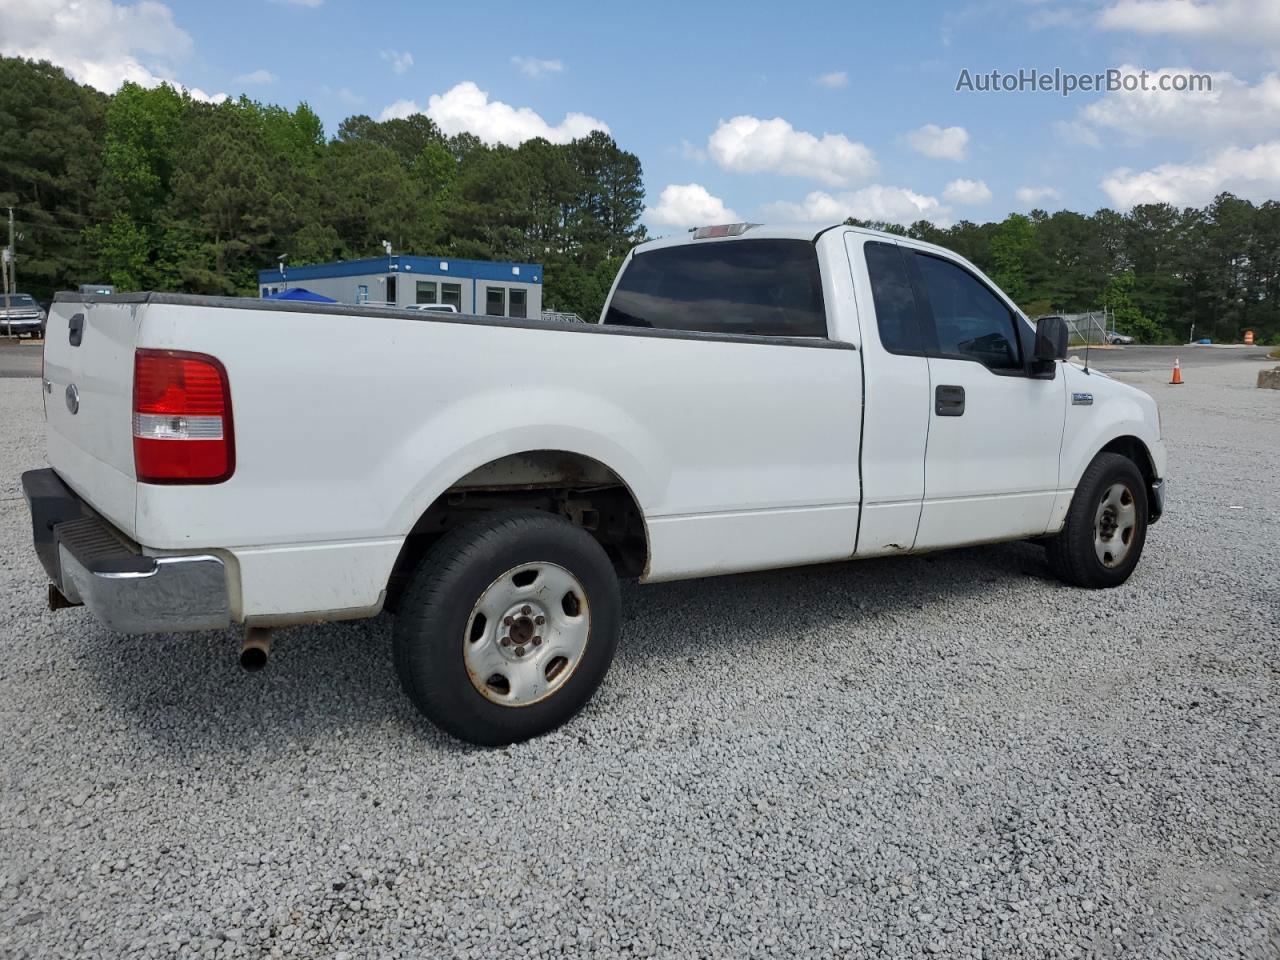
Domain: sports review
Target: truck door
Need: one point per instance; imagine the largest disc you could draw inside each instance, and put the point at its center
(995, 432)
(896, 396)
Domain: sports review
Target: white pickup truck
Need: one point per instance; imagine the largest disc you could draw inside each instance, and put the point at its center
(753, 397)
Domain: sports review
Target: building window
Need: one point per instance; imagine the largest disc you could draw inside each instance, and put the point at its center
(451, 293)
(518, 307)
(495, 301)
(265, 291)
(426, 291)
(391, 290)
(362, 293)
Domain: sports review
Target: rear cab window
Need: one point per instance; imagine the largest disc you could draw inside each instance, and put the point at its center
(767, 287)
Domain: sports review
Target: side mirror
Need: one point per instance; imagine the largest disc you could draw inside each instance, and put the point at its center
(1051, 339)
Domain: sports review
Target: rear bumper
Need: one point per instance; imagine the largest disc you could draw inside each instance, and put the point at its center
(91, 563)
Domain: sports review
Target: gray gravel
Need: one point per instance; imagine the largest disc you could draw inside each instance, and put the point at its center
(949, 755)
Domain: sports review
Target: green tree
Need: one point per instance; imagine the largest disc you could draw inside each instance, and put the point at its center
(50, 165)
(143, 128)
(149, 189)
(1012, 246)
(1128, 317)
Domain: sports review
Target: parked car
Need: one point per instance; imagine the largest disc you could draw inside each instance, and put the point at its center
(433, 307)
(22, 317)
(1118, 339)
(752, 397)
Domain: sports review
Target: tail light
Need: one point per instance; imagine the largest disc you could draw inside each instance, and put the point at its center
(182, 430)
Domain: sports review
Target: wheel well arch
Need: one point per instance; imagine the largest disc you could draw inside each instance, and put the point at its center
(1134, 449)
(580, 488)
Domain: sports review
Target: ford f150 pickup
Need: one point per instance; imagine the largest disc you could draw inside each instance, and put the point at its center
(752, 397)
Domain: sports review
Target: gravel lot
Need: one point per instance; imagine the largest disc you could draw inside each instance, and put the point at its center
(948, 755)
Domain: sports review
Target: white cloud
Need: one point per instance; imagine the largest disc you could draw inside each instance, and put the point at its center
(934, 141)
(1252, 173)
(1033, 196)
(1050, 18)
(533, 67)
(834, 80)
(400, 61)
(465, 108)
(751, 145)
(967, 192)
(398, 110)
(1073, 131)
(100, 43)
(1231, 106)
(257, 78)
(691, 152)
(689, 205)
(876, 202)
(1245, 21)
(198, 94)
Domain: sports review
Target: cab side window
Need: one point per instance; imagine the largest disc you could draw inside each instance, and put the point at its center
(970, 321)
(896, 315)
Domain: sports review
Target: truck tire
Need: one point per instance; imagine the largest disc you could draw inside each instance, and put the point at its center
(1106, 526)
(507, 627)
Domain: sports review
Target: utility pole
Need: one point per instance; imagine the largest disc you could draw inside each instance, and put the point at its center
(10, 280)
(4, 270)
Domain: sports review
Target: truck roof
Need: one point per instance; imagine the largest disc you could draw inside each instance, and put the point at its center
(810, 232)
(784, 231)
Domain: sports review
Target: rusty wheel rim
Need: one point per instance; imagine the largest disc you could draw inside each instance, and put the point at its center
(1114, 525)
(526, 634)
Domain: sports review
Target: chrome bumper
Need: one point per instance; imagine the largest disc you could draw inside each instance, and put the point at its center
(93, 564)
(20, 324)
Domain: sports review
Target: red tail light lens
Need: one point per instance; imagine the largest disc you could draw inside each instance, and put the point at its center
(182, 430)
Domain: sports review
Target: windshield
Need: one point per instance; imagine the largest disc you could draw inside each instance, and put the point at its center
(18, 300)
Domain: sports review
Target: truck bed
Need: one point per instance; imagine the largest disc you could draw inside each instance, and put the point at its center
(350, 421)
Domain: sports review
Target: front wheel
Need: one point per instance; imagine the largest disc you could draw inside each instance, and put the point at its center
(507, 627)
(1106, 526)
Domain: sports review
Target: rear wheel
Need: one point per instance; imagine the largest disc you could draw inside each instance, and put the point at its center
(1106, 527)
(507, 627)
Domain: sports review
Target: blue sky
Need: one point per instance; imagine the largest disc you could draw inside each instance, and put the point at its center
(792, 111)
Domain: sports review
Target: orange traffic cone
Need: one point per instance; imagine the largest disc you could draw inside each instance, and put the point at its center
(1177, 371)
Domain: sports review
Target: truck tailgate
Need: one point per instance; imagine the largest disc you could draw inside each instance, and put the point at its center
(88, 374)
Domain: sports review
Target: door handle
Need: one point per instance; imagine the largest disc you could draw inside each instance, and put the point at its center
(948, 400)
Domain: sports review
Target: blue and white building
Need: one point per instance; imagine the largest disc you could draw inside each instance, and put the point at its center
(472, 286)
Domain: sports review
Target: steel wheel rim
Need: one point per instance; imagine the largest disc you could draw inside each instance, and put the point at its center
(1115, 525)
(527, 634)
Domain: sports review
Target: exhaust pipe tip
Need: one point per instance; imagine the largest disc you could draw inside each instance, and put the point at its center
(255, 651)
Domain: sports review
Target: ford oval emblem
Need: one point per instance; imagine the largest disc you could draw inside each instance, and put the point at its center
(73, 399)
